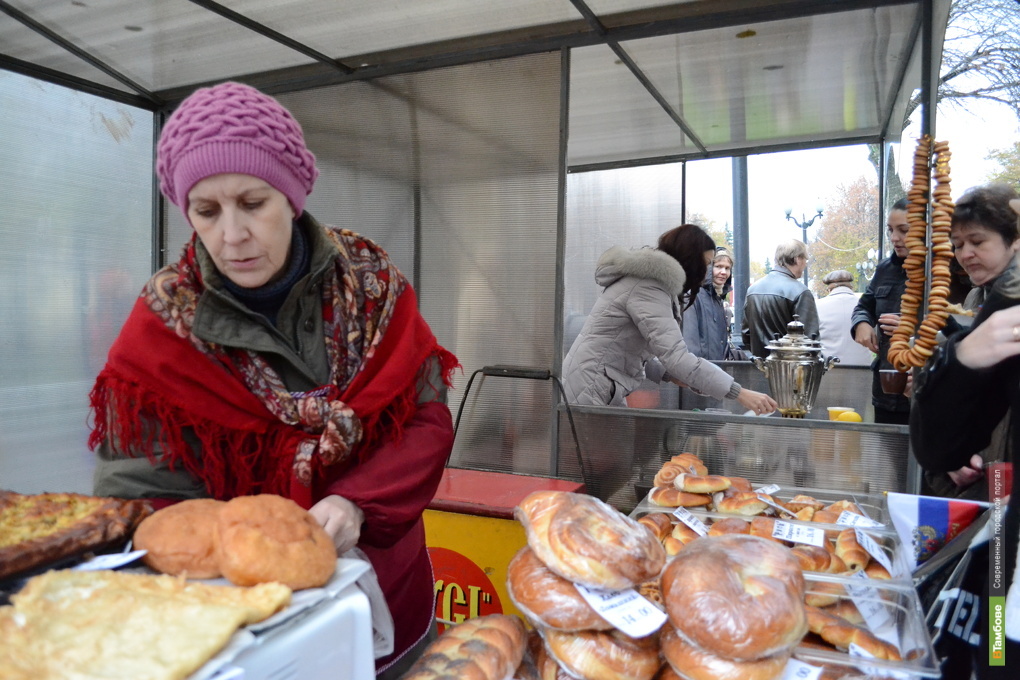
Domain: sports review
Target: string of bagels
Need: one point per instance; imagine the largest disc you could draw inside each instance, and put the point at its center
(903, 354)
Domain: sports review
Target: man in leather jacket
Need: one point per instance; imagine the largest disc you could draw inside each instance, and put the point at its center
(772, 301)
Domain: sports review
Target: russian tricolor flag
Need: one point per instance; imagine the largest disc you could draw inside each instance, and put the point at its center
(928, 523)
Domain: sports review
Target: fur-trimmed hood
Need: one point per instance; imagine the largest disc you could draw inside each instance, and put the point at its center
(645, 263)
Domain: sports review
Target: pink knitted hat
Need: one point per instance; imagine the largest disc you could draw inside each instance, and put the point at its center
(233, 128)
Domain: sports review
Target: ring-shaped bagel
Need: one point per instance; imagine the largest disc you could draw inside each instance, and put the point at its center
(587, 541)
(736, 596)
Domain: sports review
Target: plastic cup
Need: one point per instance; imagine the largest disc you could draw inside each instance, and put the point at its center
(893, 382)
(835, 411)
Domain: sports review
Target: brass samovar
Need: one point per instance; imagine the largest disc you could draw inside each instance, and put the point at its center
(794, 369)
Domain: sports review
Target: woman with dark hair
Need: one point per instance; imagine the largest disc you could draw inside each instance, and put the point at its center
(633, 330)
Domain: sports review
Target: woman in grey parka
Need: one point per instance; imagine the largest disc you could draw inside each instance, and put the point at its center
(633, 330)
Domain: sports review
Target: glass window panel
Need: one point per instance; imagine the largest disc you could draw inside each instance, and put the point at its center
(75, 243)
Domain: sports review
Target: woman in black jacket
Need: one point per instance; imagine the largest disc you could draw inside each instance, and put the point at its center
(960, 397)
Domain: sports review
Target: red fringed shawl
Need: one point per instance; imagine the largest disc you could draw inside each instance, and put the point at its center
(256, 437)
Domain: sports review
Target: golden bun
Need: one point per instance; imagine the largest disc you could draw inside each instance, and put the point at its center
(180, 539)
(265, 538)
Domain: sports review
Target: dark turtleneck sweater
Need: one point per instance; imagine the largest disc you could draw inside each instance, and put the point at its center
(268, 299)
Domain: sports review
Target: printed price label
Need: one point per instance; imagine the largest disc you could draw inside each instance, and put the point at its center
(765, 499)
(869, 603)
(770, 489)
(798, 670)
(112, 561)
(852, 519)
(625, 609)
(858, 651)
(786, 531)
(685, 516)
(874, 549)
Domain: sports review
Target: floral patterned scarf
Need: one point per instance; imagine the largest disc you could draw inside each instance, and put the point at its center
(256, 436)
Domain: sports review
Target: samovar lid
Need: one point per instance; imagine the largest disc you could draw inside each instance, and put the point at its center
(795, 340)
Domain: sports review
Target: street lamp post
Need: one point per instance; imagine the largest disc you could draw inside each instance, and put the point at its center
(804, 224)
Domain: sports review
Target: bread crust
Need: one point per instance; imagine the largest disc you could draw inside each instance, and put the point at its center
(266, 538)
(547, 599)
(694, 663)
(36, 530)
(180, 539)
(587, 541)
(736, 596)
(596, 655)
(487, 647)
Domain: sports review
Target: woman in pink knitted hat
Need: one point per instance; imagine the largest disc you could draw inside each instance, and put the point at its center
(278, 355)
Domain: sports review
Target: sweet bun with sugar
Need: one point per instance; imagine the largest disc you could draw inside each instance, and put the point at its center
(587, 541)
(736, 596)
(180, 538)
(547, 599)
(266, 538)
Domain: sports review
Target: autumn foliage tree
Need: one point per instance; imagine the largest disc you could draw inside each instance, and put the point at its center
(846, 234)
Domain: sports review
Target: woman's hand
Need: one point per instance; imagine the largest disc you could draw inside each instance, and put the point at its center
(998, 338)
(759, 402)
(969, 473)
(888, 323)
(864, 334)
(341, 519)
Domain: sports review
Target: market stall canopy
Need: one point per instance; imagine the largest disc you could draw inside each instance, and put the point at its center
(650, 81)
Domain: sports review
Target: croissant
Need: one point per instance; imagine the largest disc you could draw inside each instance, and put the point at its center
(841, 633)
(850, 550)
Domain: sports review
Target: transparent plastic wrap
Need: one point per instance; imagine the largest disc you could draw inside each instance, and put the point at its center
(587, 541)
(487, 647)
(596, 655)
(690, 662)
(738, 597)
(886, 610)
(547, 599)
(885, 552)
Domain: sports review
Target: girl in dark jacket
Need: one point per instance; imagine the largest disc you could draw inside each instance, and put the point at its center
(707, 321)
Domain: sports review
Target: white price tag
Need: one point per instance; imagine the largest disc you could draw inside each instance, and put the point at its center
(785, 531)
(770, 489)
(874, 549)
(858, 651)
(796, 669)
(688, 518)
(852, 519)
(625, 609)
(869, 602)
(111, 561)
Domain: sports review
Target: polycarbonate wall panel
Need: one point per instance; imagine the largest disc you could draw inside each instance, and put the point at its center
(627, 207)
(75, 235)
(489, 195)
(464, 161)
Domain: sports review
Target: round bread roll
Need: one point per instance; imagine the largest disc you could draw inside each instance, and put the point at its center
(668, 472)
(693, 663)
(547, 599)
(267, 538)
(181, 538)
(595, 655)
(736, 596)
(587, 541)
